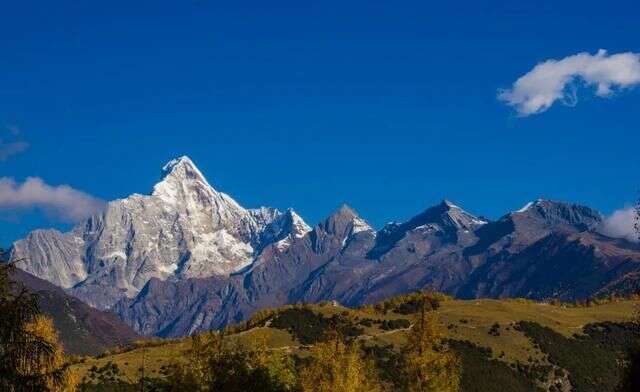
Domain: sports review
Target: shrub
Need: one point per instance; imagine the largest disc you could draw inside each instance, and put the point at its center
(593, 360)
(481, 373)
(309, 327)
(389, 325)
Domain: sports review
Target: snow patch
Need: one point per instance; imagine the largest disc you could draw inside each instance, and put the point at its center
(117, 254)
(451, 205)
(526, 207)
(221, 240)
(360, 225)
(283, 244)
(300, 227)
(478, 222)
(168, 269)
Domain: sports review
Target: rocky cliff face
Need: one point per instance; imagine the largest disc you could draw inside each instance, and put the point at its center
(184, 229)
(188, 258)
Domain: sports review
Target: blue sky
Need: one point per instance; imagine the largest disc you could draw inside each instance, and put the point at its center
(387, 106)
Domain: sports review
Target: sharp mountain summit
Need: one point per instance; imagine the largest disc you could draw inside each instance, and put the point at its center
(188, 258)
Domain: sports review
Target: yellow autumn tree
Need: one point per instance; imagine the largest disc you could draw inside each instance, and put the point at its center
(336, 366)
(31, 358)
(429, 366)
(49, 365)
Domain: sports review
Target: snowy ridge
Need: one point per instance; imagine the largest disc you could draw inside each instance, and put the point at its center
(300, 227)
(526, 207)
(183, 229)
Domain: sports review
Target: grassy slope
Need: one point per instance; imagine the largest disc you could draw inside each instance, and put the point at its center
(477, 318)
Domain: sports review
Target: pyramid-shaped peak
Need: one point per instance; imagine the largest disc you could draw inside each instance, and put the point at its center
(346, 210)
(294, 216)
(344, 221)
(177, 164)
(298, 226)
(347, 214)
(181, 177)
(177, 161)
(447, 215)
(182, 169)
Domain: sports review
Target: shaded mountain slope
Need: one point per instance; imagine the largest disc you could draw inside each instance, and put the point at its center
(83, 329)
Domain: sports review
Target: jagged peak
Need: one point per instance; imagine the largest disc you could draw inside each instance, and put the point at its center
(348, 213)
(169, 166)
(445, 214)
(555, 212)
(298, 226)
(542, 203)
(181, 176)
(294, 215)
(346, 210)
(535, 203)
(346, 220)
(183, 168)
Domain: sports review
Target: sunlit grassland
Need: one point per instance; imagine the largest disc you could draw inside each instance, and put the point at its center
(461, 319)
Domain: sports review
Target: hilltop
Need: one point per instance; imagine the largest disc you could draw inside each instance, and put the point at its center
(505, 341)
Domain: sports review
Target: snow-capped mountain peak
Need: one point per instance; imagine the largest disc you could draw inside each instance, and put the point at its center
(181, 174)
(184, 188)
(449, 216)
(184, 229)
(182, 170)
(180, 163)
(344, 223)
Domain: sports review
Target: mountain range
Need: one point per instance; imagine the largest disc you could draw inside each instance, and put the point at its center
(188, 258)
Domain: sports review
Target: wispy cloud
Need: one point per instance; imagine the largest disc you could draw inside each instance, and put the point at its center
(558, 80)
(61, 202)
(13, 147)
(621, 224)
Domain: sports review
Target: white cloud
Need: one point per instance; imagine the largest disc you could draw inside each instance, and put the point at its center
(61, 202)
(621, 224)
(557, 80)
